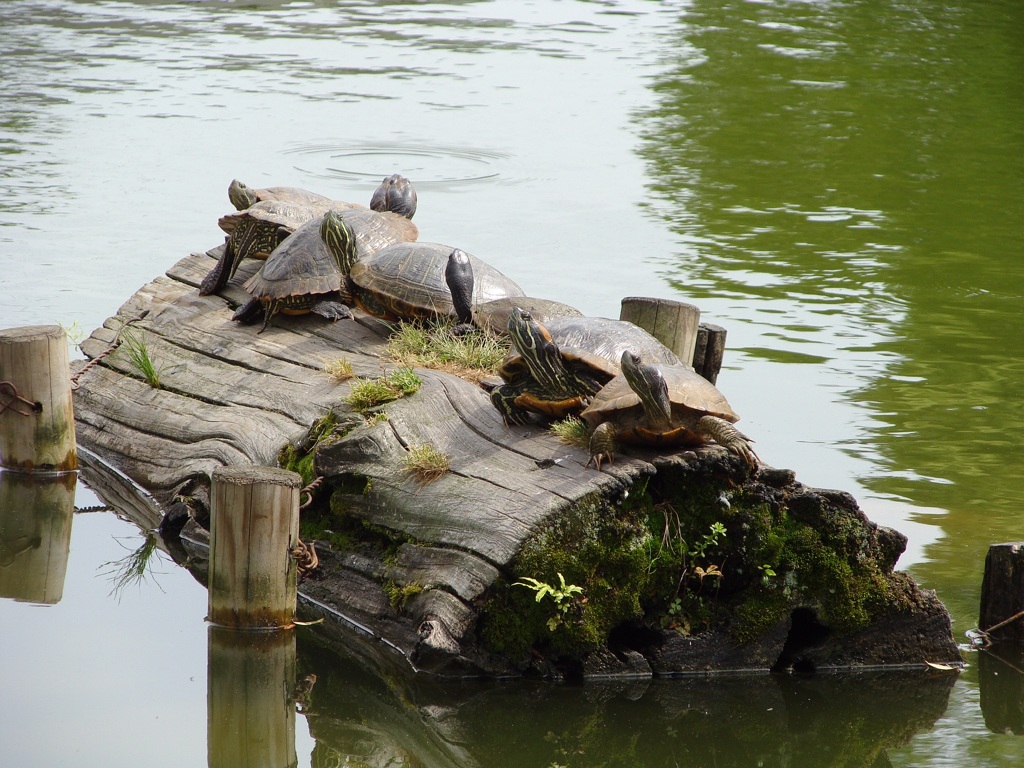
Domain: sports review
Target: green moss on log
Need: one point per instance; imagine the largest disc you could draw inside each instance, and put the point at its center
(700, 549)
(597, 544)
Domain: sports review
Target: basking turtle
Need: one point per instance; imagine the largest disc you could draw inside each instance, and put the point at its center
(274, 213)
(308, 271)
(555, 369)
(661, 405)
(243, 196)
(414, 281)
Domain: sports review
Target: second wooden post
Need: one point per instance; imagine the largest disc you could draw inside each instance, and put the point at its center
(254, 526)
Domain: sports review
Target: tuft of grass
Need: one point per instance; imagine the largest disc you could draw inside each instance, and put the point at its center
(572, 431)
(426, 462)
(339, 369)
(135, 567)
(137, 352)
(472, 356)
(370, 393)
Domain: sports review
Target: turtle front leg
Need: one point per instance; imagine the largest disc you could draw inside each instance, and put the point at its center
(504, 399)
(727, 436)
(218, 277)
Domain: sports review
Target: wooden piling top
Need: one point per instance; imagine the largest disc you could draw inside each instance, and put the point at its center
(247, 474)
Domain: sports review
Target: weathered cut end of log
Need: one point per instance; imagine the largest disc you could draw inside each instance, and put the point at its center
(665, 563)
(37, 422)
(1002, 593)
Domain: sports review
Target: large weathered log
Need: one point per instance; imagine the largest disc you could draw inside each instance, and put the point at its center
(437, 570)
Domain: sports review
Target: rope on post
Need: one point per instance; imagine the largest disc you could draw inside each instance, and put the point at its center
(7, 389)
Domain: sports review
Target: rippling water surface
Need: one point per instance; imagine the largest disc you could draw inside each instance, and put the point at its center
(838, 184)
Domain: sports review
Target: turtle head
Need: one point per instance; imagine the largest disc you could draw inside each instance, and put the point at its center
(649, 385)
(340, 238)
(240, 195)
(458, 273)
(396, 194)
(540, 353)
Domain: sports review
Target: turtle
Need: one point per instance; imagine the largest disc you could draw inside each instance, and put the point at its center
(308, 271)
(274, 213)
(655, 404)
(408, 281)
(555, 368)
(243, 196)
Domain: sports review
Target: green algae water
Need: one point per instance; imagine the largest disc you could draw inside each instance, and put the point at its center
(837, 184)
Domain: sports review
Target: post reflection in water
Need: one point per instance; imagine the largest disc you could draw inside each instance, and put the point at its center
(251, 698)
(35, 535)
(1001, 683)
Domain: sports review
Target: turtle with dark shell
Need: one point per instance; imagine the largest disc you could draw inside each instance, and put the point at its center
(556, 368)
(308, 271)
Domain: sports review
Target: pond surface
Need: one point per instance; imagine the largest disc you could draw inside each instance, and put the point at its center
(838, 184)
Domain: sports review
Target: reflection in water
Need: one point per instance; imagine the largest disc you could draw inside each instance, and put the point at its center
(35, 535)
(136, 566)
(839, 174)
(250, 704)
(382, 718)
(1001, 679)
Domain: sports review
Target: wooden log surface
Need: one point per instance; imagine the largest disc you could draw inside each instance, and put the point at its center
(230, 395)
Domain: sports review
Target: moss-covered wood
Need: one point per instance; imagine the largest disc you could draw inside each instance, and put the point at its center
(665, 563)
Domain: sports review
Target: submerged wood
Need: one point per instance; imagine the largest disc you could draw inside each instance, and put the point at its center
(431, 568)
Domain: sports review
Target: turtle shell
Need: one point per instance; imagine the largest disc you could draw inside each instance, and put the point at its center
(277, 215)
(243, 196)
(407, 280)
(591, 348)
(303, 264)
(597, 343)
(691, 395)
(493, 315)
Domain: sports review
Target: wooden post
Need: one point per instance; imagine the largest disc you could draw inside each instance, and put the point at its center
(709, 351)
(35, 535)
(37, 421)
(1002, 593)
(250, 714)
(673, 323)
(254, 524)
